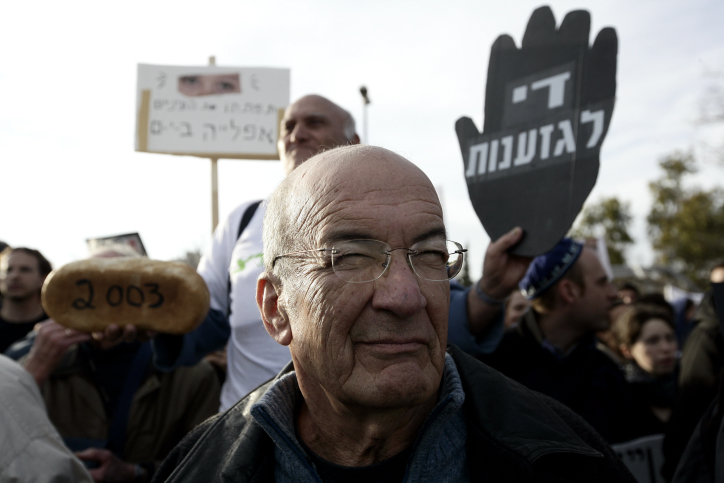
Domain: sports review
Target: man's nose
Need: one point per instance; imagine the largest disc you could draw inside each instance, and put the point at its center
(299, 133)
(398, 289)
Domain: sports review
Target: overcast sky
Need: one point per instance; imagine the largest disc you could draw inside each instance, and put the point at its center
(68, 74)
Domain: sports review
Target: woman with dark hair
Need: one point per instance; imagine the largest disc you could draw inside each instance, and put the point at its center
(647, 340)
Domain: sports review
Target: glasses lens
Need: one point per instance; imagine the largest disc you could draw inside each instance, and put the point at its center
(437, 260)
(359, 261)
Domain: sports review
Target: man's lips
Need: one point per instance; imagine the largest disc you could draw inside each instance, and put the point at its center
(396, 346)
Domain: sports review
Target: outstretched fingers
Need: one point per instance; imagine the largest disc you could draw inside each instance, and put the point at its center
(466, 130)
(541, 28)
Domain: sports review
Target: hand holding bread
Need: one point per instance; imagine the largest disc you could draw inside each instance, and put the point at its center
(89, 295)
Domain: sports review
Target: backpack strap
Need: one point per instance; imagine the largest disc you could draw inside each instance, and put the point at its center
(245, 219)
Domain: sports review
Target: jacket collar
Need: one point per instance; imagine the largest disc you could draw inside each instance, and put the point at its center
(275, 411)
(522, 422)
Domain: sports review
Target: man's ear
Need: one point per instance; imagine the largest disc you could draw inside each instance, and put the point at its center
(568, 291)
(275, 319)
(355, 139)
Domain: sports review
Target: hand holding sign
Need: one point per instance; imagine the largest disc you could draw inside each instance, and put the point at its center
(547, 110)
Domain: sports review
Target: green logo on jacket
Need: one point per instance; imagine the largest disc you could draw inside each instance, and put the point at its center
(241, 264)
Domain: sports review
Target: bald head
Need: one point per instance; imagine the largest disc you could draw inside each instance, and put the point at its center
(312, 197)
(311, 125)
(354, 204)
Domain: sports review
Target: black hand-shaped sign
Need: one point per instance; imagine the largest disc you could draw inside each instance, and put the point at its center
(547, 110)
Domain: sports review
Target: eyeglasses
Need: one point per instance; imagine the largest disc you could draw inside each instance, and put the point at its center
(359, 261)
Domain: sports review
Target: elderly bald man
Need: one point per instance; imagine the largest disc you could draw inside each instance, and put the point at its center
(355, 283)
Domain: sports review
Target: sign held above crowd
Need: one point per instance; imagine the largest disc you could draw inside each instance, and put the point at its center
(128, 241)
(548, 106)
(210, 112)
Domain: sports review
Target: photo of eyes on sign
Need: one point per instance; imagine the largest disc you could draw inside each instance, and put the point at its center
(89, 295)
(211, 112)
(548, 106)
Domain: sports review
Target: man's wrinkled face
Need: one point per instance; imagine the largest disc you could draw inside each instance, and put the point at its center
(20, 276)
(380, 343)
(310, 125)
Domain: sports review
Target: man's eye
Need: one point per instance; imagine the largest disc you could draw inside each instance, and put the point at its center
(352, 260)
(351, 256)
(431, 257)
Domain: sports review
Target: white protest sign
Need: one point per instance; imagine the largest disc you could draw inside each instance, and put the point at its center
(643, 457)
(210, 112)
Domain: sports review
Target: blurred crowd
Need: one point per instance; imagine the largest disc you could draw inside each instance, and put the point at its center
(631, 364)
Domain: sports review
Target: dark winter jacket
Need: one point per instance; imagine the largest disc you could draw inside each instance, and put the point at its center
(700, 380)
(586, 380)
(513, 435)
(651, 391)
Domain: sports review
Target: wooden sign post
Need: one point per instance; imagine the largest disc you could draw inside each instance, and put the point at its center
(214, 180)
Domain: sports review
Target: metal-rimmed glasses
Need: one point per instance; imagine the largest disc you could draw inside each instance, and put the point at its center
(359, 261)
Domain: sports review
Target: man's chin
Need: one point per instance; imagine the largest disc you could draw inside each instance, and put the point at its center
(413, 390)
(405, 383)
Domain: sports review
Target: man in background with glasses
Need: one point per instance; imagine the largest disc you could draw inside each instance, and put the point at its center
(356, 285)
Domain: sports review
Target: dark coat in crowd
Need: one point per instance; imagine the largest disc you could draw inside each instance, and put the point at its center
(702, 461)
(700, 373)
(651, 391)
(586, 380)
(513, 435)
(164, 407)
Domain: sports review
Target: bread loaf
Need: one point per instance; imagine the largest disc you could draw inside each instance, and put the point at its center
(88, 295)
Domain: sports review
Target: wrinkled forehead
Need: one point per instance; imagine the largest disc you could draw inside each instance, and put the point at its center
(368, 193)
